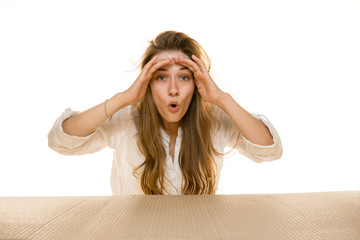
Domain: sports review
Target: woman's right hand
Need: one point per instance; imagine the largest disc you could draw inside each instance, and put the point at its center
(137, 90)
(85, 123)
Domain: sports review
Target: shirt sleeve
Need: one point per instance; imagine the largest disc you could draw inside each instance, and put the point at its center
(64, 143)
(258, 153)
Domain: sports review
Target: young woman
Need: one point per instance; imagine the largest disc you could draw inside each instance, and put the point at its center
(169, 129)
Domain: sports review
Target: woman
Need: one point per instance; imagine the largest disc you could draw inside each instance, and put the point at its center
(170, 127)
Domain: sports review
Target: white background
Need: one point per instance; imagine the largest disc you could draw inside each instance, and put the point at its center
(296, 62)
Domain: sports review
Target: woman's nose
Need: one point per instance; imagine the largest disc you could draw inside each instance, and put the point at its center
(173, 88)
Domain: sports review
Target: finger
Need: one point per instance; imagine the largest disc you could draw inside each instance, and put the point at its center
(150, 63)
(199, 63)
(159, 64)
(188, 63)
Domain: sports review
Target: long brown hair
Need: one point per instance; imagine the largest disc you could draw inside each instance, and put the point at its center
(196, 157)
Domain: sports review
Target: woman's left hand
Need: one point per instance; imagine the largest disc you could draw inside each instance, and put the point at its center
(207, 88)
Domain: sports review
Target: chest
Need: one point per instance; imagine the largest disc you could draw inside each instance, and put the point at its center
(172, 144)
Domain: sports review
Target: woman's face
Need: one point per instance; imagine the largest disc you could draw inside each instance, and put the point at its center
(172, 88)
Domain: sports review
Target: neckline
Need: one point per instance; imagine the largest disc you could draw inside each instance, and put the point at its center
(166, 137)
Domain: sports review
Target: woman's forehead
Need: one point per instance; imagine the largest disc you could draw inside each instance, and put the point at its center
(173, 67)
(171, 54)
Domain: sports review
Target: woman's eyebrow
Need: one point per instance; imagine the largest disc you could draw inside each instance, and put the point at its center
(161, 69)
(164, 69)
(184, 68)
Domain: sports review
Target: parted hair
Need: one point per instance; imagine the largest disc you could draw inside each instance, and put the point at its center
(196, 157)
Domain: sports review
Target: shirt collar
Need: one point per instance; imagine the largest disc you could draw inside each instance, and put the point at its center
(166, 136)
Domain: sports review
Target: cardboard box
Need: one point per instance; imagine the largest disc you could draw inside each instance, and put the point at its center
(333, 215)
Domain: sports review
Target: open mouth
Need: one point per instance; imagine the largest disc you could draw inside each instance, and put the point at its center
(173, 107)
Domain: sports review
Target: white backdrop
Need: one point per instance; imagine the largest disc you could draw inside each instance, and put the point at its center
(296, 62)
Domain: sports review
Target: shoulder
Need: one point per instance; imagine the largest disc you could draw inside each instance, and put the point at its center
(122, 120)
(120, 129)
(125, 113)
(221, 122)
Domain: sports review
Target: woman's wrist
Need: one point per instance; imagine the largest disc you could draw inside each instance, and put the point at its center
(115, 103)
(223, 100)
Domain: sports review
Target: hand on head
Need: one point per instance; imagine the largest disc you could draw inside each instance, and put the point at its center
(206, 86)
(137, 90)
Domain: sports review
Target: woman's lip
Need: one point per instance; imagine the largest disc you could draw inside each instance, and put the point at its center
(173, 109)
(173, 102)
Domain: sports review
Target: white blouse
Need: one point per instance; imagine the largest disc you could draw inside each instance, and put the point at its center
(120, 135)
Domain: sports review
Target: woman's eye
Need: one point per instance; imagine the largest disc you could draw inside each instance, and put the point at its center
(184, 77)
(161, 77)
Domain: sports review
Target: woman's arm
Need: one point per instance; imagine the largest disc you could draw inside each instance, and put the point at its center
(87, 122)
(251, 128)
